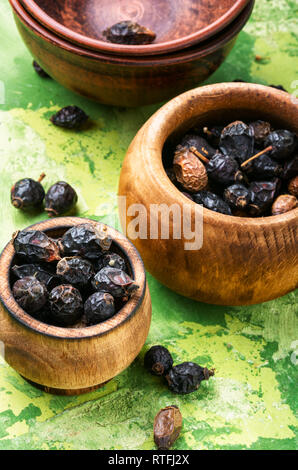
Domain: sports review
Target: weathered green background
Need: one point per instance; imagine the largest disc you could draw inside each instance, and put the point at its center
(251, 402)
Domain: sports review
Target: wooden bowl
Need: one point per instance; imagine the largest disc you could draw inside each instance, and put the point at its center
(73, 360)
(177, 24)
(124, 81)
(242, 260)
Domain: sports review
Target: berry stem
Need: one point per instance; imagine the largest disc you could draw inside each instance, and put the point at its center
(267, 149)
(199, 155)
(42, 176)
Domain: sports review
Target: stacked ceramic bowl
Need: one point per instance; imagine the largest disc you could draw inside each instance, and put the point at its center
(193, 37)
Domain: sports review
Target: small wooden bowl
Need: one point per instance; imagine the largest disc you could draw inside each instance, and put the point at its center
(177, 24)
(242, 260)
(73, 360)
(125, 81)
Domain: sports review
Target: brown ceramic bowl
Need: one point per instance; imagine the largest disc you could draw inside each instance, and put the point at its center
(177, 24)
(126, 81)
(242, 260)
(73, 360)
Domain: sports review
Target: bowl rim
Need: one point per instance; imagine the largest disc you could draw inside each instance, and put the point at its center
(188, 55)
(124, 314)
(151, 49)
(154, 134)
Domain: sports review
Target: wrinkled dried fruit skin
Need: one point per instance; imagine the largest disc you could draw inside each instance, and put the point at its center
(186, 377)
(99, 307)
(213, 134)
(60, 198)
(293, 186)
(212, 201)
(36, 245)
(261, 131)
(237, 141)
(30, 294)
(86, 240)
(49, 279)
(27, 193)
(189, 170)
(237, 196)
(284, 203)
(70, 117)
(167, 427)
(224, 169)
(42, 73)
(127, 32)
(66, 305)
(202, 146)
(263, 167)
(291, 168)
(158, 360)
(284, 143)
(113, 260)
(75, 270)
(262, 195)
(114, 281)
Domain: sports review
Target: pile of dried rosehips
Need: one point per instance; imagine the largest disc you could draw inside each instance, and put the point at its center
(246, 170)
(74, 281)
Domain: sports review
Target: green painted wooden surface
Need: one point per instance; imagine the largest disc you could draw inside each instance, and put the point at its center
(251, 401)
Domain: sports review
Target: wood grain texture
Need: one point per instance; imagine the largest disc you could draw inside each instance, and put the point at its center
(74, 358)
(125, 81)
(177, 24)
(242, 260)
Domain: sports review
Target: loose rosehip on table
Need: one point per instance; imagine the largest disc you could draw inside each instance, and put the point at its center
(158, 360)
(27, 193)
(70, 117)
(60, 198)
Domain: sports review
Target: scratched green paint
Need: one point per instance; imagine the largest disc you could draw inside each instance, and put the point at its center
(251, 402)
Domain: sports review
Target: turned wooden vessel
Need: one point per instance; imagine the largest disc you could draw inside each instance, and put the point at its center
(73, 360)
(242, 260)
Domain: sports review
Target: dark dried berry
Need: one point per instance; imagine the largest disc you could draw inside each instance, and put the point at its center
(66, 305)
(70, 117)
(263, 194)
(114, 281)
(212, 201)
(30, 294)
(60, 198)
(224, 169)
(284, 203)
(113, 260)
(291, 168)
(200, 144)
(75, 270)
(87, 240)
(186, 377)
(237, 141)
(263, 167)
(237, 196)
(167, 427)
(49, 279)
(189, 170)
(27, 193)
(41, 72)
(127, 32)
(261, 131)
(213, 134)
(171, 175)
(284, 143)
(158, 360)
(99, 307)
(293, 186)
(36, 245)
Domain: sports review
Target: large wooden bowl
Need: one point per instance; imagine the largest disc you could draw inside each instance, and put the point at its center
(73, 360)
(242, 260)
(124, 81)
(177, 24)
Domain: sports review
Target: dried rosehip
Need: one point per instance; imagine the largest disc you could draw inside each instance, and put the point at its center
(99, 307)
(186, 377)
(291, 168)
(75, 270)
(224, 169)
(27, 193)
(237, 196)
(261, 131)
(87, 240)
(167, 427)
(199, 143)
(212, 201)
(60, 198)
(41, 72)
(237, 141)
(263, 167)
(30, 294)
(66, 305)
(293, 186)
(158, 360)
(127, 32)
(284, 143)
(262, 195)
(70, 117)
(114, 281)
(189, 170)
(49, 279)
(110, 259)
(284, 203)
(213, 134)
(36, 245)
